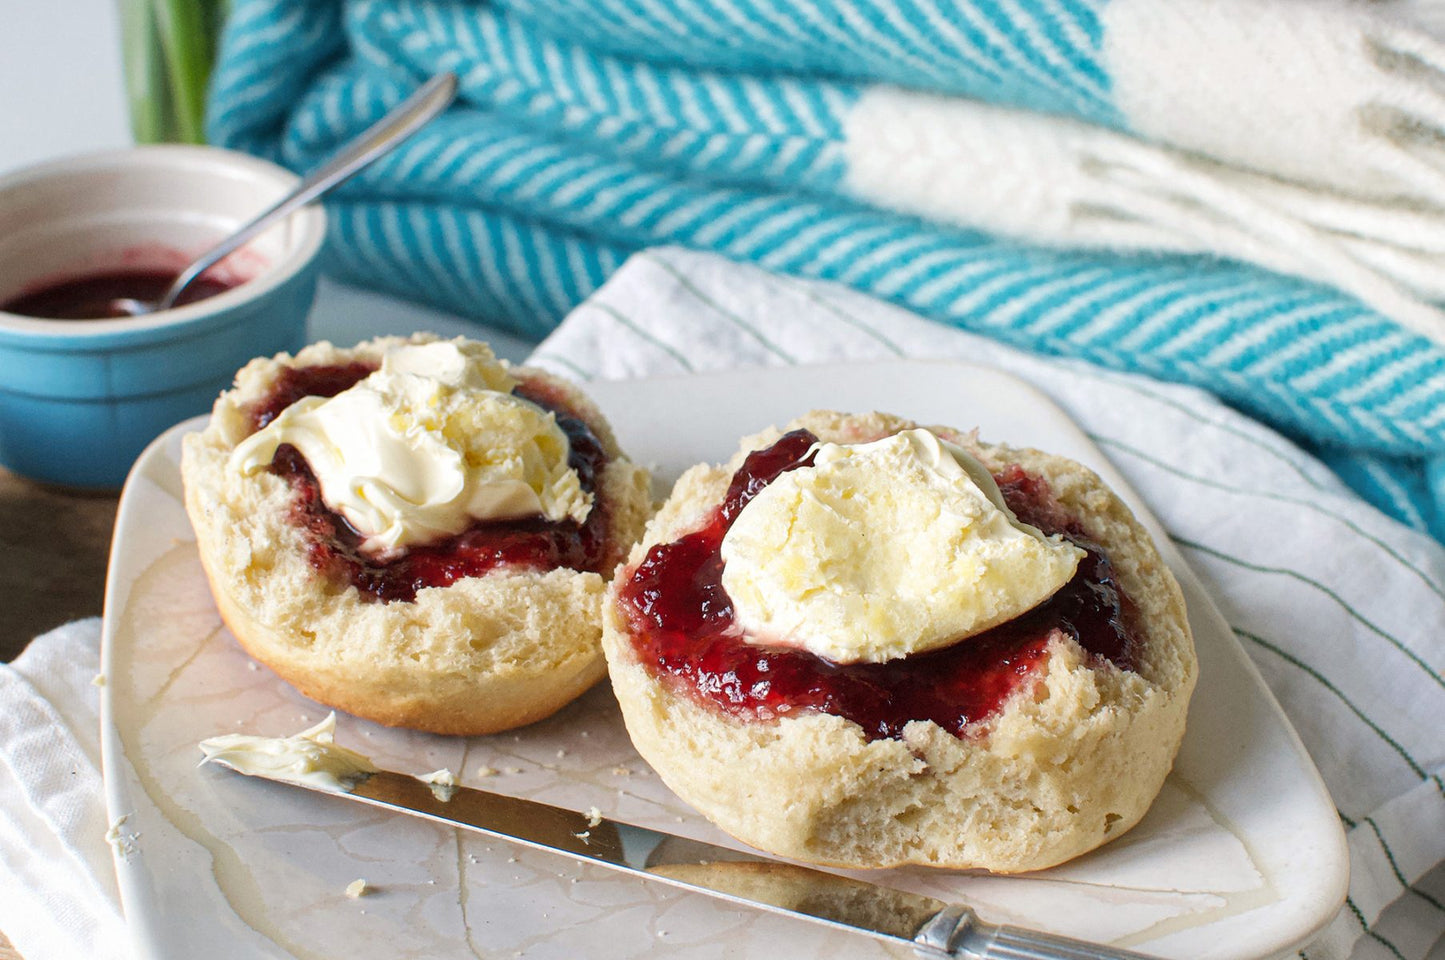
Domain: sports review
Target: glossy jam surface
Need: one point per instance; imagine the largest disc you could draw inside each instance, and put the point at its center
(92, 297)
(293, 383)
(335, 547)
(682, 626)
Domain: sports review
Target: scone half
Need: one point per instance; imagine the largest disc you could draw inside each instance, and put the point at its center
(1071, 758)
(476, 655)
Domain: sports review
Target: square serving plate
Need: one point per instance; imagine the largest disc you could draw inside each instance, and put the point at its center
(1242, 855)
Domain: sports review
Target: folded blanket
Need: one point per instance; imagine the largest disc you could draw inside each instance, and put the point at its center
(1302, 137)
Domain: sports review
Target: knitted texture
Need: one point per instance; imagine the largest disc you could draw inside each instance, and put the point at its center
(590, 130)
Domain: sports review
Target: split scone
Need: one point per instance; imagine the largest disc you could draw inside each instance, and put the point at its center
(413, 532)
(865, 644)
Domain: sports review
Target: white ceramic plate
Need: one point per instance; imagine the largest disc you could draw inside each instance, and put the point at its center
(1241, 856)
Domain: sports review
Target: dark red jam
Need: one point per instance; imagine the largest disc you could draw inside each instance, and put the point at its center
(93, 297)
(293, 383)
(534, 543)
(683, 628)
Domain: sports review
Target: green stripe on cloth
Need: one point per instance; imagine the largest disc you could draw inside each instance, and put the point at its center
(1358, 617)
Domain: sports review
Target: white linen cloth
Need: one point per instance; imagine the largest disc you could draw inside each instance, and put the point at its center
(1342, 609)
(58, 894)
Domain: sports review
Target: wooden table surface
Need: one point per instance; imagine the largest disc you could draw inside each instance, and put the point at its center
(55, 545)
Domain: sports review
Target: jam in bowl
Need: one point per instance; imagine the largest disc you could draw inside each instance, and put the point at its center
(94, 296)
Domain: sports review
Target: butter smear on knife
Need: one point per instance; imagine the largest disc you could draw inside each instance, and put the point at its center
(310, 758)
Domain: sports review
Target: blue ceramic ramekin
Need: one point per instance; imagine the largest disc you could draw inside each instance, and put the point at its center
(80, 399)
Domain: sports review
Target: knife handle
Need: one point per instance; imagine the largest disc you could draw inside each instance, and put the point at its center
(956, 932)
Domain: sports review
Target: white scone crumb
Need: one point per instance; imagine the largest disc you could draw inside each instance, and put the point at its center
(357, 889)
(122, 841)
(594, 816)
(486, 771)
(98, 680)
(480, 655)
(443, 783)
(883, 549)
(1072, 759)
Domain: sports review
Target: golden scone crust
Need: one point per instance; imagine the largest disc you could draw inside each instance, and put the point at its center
(1064, 766)
(482, 654)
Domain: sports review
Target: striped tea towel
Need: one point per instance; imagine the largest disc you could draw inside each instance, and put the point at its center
(1315, 583)
(1342, 609)
(1302, 137)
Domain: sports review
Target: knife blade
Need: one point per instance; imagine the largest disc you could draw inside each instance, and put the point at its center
(930, 927)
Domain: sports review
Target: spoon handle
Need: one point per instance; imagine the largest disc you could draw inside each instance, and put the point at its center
(401, 122)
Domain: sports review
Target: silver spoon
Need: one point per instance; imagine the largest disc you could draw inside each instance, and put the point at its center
(379, 139)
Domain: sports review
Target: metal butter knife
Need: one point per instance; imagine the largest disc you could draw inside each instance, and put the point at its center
(932, 928)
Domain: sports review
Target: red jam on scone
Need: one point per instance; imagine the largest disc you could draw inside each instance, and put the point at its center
(683, 625)
(535, 543)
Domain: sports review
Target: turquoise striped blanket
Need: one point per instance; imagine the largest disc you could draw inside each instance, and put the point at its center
(1250, 235)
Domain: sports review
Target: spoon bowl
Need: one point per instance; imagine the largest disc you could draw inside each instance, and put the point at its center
(137, 308)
